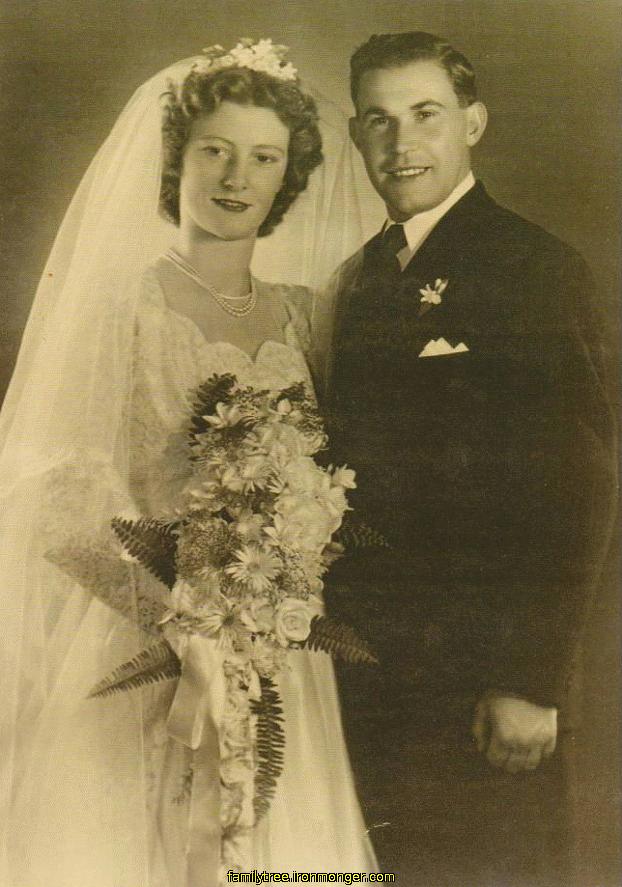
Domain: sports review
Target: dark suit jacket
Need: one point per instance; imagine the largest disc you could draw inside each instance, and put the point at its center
(490, 470)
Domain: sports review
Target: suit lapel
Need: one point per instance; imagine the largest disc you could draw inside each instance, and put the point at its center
(448, 253)
(451, 242)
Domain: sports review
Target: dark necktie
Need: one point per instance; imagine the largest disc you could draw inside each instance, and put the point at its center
(393, 240)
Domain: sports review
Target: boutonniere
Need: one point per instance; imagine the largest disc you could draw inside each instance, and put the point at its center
(432, 295)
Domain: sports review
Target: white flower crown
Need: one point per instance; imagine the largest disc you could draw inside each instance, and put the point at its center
(264, 55)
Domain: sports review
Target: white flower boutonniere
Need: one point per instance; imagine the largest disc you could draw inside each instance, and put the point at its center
(432, 294)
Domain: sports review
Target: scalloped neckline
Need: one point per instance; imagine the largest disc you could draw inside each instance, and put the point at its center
(222, 344)
(289, 330)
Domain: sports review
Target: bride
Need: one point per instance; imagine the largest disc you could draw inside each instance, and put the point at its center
(132, 314)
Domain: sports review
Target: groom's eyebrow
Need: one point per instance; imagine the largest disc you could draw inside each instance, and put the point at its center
(376, 110)
(419, 105)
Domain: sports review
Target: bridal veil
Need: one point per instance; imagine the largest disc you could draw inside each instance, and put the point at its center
(64, 470)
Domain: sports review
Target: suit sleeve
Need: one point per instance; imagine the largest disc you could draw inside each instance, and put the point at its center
(328, 307)
(559, 487)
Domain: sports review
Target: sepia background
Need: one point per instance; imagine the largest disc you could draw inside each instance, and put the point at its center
(549, 71)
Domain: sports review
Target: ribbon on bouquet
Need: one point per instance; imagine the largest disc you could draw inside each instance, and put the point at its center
(195, 720)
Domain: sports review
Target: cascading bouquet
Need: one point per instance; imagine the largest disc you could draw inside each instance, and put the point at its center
(242, 563)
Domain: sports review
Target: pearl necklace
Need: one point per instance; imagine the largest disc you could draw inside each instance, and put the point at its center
(227, 303)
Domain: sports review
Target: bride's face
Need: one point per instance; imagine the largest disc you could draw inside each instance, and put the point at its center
(233, 167)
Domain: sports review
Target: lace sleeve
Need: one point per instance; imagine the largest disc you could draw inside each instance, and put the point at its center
(74, 533)
(80, 494)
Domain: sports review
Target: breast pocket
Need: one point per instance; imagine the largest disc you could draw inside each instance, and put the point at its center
(427, 354)
(447, 391)
(444, 371)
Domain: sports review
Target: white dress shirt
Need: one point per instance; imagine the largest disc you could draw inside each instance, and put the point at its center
(419, 226)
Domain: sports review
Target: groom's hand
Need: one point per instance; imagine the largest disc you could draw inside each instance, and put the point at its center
(513, 733)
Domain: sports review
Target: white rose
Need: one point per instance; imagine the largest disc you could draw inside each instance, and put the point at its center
(309, 525)
(293, 619)
(303, 476)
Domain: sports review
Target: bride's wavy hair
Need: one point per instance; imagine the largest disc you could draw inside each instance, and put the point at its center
(202, 92)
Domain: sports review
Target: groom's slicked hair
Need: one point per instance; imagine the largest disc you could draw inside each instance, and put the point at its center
(397, 50)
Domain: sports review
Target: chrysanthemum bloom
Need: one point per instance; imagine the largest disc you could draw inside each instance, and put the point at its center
(255, 567)
(220, 619)
(249, 526)
(256, 471)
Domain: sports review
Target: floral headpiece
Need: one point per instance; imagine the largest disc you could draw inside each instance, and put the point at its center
(264, 55)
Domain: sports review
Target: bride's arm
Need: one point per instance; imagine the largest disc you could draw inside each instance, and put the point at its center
(81, 496)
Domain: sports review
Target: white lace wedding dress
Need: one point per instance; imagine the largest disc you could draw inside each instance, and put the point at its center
(314, 823)
(88, 787)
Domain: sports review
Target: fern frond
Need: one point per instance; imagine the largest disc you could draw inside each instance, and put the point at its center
(156, 663)
(217, 389)
(152, 542)
(357, 534)
(340, 640)
(269, 745)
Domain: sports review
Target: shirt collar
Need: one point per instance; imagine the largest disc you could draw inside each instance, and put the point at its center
(417, 228)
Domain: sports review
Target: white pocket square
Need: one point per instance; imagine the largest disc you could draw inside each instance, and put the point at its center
(439, 347)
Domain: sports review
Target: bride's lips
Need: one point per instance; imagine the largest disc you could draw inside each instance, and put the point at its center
(232, 206)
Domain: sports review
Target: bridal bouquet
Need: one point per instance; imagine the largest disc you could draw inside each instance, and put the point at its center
(241, 565)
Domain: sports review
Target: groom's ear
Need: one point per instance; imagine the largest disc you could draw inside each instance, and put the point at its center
(355, 131)
(477, 118)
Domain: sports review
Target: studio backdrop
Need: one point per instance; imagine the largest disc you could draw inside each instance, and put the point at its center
(549, 72)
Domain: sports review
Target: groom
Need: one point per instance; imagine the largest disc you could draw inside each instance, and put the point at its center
(464, 382)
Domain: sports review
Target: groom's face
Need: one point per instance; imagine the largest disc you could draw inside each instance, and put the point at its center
(414, 135)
